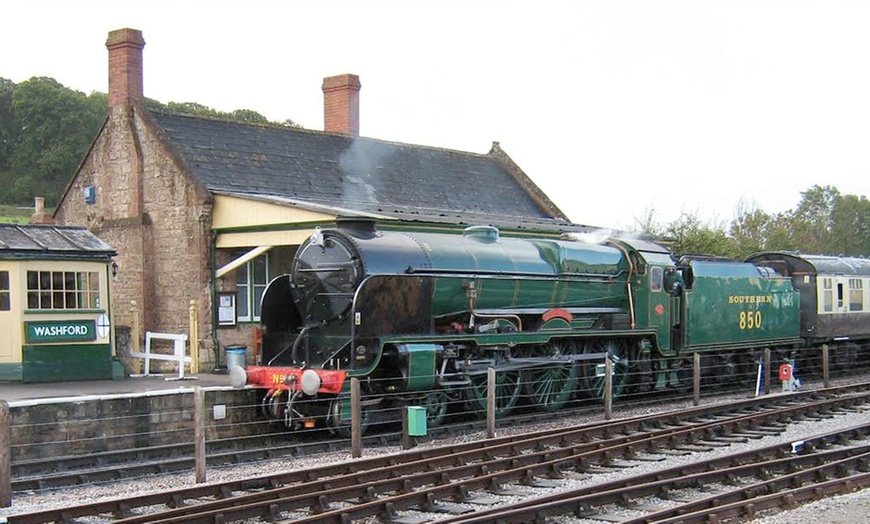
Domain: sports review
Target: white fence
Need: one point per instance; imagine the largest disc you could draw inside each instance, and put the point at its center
(178, 351)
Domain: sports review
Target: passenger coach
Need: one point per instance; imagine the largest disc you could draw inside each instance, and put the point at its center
(835, 306)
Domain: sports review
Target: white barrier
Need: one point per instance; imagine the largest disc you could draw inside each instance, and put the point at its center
(178, 351)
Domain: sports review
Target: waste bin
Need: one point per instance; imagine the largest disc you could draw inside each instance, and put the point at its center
(236, 356)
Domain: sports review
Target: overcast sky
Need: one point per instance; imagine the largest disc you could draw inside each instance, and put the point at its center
(614, 108)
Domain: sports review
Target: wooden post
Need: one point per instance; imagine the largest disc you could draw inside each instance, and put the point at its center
(767, 371)
(490, 403)
(194, 337)
(826, 377)
(199, 433)
(355, 419)
(5, 455)
(608, 389)
(696, 378)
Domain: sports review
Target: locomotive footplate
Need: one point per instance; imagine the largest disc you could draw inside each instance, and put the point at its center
(479, 367)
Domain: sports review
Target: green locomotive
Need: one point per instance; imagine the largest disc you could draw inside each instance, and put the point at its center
(419, 317)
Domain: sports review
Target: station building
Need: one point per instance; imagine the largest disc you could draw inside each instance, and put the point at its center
(210, 211)
(55, 304)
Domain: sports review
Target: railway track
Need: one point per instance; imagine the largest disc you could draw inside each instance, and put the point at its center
(734, 486)
(109, 466)
(437, 480)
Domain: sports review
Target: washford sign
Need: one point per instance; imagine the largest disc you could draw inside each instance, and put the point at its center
(60, 331)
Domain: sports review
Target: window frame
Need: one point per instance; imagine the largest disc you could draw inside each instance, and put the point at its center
(62, 290)
(5, 291)
(248, 310)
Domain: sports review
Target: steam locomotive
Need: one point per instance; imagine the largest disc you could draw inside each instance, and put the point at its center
(419, 317)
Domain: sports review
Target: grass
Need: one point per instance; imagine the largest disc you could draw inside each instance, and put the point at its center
(14, 215)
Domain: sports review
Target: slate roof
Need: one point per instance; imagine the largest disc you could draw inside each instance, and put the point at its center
(51, 242)
(364, 175)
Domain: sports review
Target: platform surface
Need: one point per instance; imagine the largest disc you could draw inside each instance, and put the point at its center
(17, 392)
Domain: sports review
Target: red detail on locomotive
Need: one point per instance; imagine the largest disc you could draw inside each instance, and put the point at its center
(564, 314)
(275, 378)
(660, 309)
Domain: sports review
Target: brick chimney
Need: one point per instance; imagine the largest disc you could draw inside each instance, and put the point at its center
(125, 66)
(341, 104)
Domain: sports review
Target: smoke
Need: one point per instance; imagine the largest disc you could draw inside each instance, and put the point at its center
(599, 236)
(360, 162)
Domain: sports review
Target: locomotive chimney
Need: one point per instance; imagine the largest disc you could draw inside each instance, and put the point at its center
(125, 66)
(341, 104)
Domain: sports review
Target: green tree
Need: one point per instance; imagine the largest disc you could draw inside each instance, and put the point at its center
(750, 230)
(850, 226)
(688, 234)
(813, 219)
(7, 127)
(55, 126)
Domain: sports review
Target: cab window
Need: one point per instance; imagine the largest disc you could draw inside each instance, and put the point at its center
(655, 278)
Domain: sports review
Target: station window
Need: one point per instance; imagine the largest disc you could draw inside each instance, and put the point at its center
(5, 302)
(856, 294)
(251, 281)
(63, 290)
(827, 295)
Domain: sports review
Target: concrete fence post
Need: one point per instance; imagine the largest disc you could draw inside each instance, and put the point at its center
(696, 379)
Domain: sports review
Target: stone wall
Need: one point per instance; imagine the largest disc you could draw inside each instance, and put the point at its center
(158, 219)
(72, 428)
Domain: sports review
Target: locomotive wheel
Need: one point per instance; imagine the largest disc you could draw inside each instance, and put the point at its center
(592, 379)
(550, 387)
(508, 385)
(340, 424)
(437, 404)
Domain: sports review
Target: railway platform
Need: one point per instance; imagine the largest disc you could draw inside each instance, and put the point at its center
(16, 393)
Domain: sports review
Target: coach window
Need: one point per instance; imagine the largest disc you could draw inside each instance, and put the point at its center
(655, 278)
(5, 303)
(856, 294)
(251, 281)
(827, 295)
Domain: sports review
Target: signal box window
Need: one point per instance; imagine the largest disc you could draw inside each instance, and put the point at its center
(63, 290)
(5, 302)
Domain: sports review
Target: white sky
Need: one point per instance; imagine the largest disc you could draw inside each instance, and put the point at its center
(614, 108)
